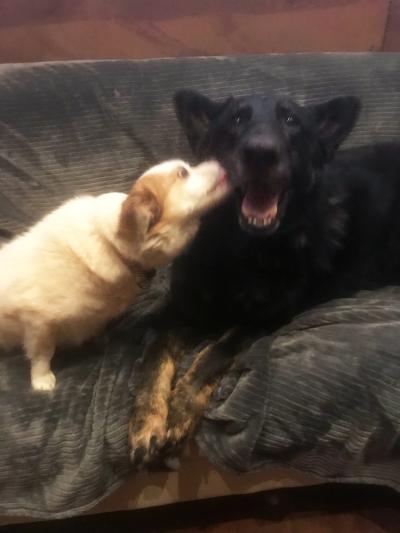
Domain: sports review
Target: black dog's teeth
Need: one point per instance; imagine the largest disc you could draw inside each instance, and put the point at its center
(259, 222)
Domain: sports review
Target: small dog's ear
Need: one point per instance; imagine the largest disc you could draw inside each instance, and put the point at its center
(195, 113)
(334, 120)
(139, 213)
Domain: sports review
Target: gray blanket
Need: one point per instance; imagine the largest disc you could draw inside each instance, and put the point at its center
(321, 395)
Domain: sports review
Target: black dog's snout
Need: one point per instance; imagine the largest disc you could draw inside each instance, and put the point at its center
(260, 155)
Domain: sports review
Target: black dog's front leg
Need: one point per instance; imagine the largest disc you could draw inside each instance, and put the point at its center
(147, 426)
(190, 396)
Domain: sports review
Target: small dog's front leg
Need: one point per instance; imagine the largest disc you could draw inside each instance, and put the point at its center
(40, 347)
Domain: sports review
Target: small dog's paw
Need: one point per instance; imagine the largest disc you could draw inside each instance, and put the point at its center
(44, 382)
(146, 442)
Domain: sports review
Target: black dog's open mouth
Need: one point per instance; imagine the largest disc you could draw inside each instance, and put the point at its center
(260, 207)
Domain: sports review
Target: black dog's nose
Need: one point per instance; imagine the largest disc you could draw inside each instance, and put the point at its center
(260, 155)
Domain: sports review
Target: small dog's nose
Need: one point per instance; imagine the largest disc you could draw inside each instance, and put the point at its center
(260, 155)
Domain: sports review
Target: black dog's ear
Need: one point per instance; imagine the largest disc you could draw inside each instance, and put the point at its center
(334, 120)
(195, 112)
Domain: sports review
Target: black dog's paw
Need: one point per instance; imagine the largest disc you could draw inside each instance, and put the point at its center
(183, 414)
(146, 441)
(172, 463)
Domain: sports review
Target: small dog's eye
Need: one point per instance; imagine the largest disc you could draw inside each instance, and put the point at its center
(183, 172)
(242, 115)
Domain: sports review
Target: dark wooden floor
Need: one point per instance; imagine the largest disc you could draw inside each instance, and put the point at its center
(43, 30)
(332, 508)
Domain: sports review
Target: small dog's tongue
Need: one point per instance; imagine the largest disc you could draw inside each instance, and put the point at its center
(259, 203)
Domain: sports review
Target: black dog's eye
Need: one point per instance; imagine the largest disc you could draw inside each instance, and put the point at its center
(183, 172)
(242, 115)
(290, 118)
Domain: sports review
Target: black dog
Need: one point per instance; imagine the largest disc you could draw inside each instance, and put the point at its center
(304, 227)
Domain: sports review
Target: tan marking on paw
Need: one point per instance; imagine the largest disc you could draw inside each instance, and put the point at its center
(148, 423)
(185, 410)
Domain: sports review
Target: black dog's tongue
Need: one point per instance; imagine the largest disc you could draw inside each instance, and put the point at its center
(259, 203)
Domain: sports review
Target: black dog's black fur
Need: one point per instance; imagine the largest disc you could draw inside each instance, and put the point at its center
(303, 226)
(337, 227)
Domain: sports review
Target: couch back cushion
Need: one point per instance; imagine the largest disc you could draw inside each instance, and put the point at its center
(71, 128)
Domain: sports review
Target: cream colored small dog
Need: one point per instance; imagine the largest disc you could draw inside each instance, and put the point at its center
(84, 263)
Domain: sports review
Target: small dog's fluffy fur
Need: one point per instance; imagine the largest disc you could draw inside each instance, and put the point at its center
(84, 263)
